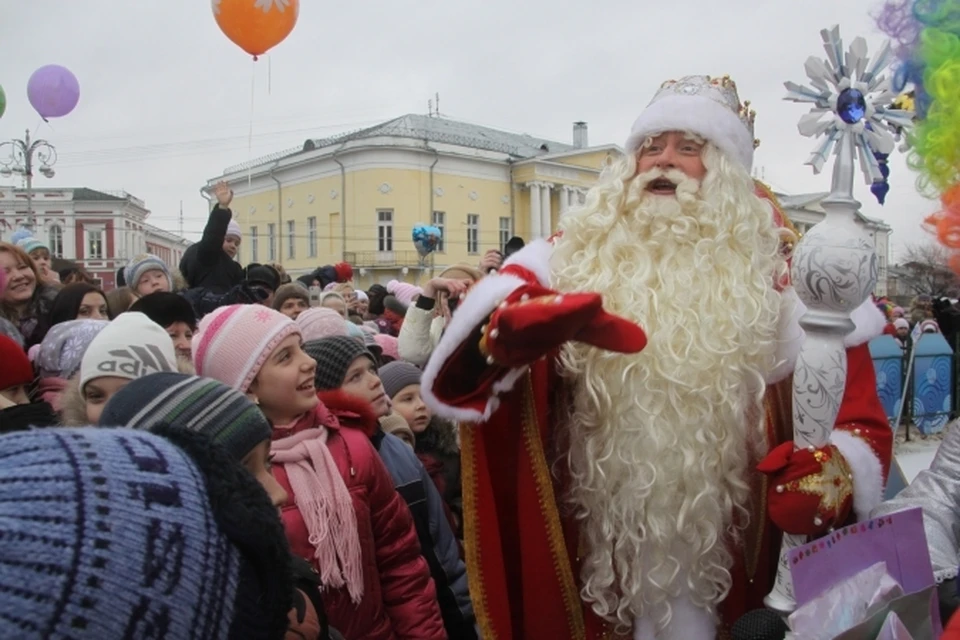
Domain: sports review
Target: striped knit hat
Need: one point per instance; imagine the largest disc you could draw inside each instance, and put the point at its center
(113, 533)
(320, 322)
(203, 405)
(140, 265)
(334, 357)
(232, 343)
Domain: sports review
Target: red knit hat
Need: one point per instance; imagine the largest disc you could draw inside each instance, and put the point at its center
(344, 271)
(16, 369)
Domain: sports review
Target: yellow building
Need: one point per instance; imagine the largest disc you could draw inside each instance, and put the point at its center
(356, 197)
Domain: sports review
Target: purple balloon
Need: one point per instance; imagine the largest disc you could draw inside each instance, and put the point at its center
(53, 91)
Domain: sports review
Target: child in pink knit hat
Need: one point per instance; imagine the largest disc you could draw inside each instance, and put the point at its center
(342, 513)
(321, 322)
(404, 292)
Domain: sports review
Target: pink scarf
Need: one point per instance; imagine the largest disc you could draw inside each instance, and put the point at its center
(51, 389)
(325, 505)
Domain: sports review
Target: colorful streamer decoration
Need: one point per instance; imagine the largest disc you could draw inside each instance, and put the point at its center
(926, 37)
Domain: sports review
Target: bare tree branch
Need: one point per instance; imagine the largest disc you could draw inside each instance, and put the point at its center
(925, 270)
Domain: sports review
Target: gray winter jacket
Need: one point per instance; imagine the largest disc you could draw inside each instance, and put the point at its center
(437, 542)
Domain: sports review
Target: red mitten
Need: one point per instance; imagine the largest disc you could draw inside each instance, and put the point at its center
(534, 320)
(810, 490)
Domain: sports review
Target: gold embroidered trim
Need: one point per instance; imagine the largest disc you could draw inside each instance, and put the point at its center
(471, 531)
(548, 506)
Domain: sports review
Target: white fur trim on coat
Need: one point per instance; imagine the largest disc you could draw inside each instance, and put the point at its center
(535, 257)
(866, 469)
(868, 321)
(473, 310)
(695, 114)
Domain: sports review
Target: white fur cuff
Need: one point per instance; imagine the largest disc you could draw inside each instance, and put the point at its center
(866, 469)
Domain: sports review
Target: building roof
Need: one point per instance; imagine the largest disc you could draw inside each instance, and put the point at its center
(92, 195)
(429, 129)
(808, 200)
(437, 129)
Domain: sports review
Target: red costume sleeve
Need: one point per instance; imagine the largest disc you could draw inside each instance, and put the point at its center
(862, 433)
(458, 382)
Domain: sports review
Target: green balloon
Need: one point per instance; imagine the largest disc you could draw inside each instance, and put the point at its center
(3, 101)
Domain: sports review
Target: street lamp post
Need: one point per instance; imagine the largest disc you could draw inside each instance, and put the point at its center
(21, 161)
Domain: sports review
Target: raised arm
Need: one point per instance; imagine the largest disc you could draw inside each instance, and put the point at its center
(211, 244)
(508, 321)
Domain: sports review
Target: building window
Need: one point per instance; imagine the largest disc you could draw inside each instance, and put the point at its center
(385, 230)
(439, 220)
(254, 241)
(312, 236)
(473, 233)
(271, 242)
(506, 232)
(56, 241)
(291, 238)
(95, 244)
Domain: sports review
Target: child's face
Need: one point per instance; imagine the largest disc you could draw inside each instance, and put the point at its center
(41, 257)
(257, 462)
(293, 307)
(363, 382)
(17, 394)
(284, 387)
(411, 406)
(98, 392)
(153, 281)
(182, 335)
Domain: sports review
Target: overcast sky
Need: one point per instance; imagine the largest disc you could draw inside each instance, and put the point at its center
(166, 98)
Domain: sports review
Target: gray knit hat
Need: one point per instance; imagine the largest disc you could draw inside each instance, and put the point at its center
(334, 356)
(397, 375)
(203, 405)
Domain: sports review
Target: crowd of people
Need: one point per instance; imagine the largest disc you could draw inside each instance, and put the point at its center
(590, 438)
(311, 385)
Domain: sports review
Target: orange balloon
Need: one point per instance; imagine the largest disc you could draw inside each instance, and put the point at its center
(256, 26)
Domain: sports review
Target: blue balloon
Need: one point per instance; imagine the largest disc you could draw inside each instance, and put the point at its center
(426, 239)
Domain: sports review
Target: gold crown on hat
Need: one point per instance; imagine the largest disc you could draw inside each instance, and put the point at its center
(722, 90)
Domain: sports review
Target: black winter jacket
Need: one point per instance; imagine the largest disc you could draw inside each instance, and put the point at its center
(205, 264)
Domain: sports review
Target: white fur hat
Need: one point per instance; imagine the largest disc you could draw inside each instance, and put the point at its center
(708, 107)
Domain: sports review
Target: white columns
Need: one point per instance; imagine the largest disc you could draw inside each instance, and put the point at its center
(564, 200)
(534, 188)
(546, 224)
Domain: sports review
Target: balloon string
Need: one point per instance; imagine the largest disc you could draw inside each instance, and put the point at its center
(253, 89)
(269, 74)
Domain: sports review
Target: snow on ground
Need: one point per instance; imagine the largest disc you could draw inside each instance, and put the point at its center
(917, 454)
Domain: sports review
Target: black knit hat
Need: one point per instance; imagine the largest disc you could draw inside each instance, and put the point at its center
(334, 356)
(263, 275)
(166, 308)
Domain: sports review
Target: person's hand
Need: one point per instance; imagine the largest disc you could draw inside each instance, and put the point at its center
(492, 259)
(224, 194)
(810, 490)
(451, 286)
(534, 321)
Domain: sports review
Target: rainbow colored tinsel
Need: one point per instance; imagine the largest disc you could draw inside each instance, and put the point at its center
(926, 41)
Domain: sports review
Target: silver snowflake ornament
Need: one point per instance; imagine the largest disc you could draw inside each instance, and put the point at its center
(850, 95)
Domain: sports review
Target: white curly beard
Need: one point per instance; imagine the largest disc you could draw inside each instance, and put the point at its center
(659, 442)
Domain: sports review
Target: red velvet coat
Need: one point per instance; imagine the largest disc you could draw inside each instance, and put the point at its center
(522, 555)
(399, 599)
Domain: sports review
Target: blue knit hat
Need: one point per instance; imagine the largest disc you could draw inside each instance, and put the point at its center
(25, 239)
(140, 265)
(115, 533)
